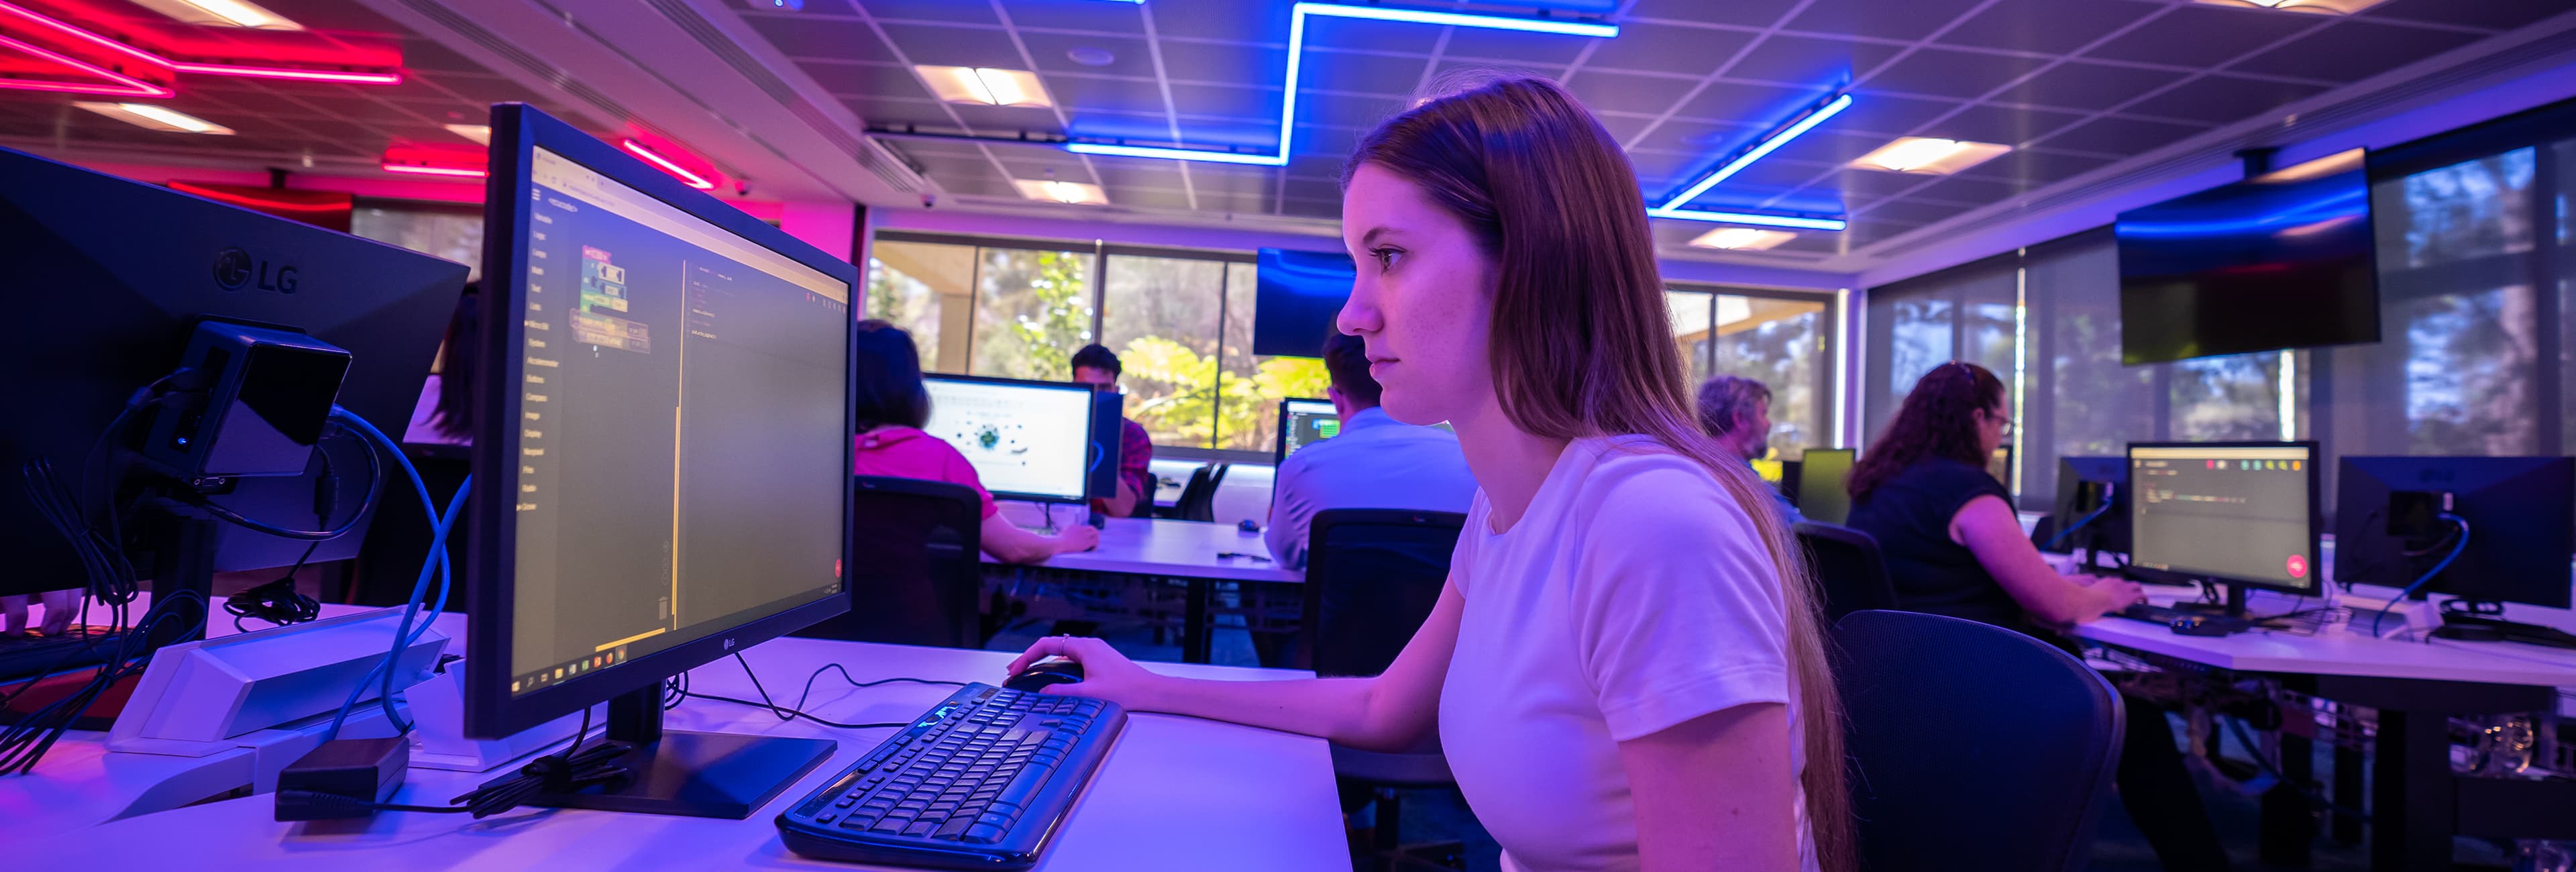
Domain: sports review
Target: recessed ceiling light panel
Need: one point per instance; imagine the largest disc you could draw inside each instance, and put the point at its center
(147, 115)
(985, 86)
(1742, 239)
(1060, 192)
(221, 13)
(480, 133)
(2312, 7)
(1922, 154)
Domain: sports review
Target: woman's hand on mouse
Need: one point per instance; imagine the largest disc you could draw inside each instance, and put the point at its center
(1106, 674)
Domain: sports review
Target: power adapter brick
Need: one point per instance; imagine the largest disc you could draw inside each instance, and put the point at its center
(344, 778)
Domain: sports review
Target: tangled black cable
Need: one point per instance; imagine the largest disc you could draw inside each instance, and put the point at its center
(566, 771)
(277, 602)
(785, 713)
(172, 615)
(375, 486)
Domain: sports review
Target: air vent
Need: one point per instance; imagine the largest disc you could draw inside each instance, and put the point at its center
(867, 153)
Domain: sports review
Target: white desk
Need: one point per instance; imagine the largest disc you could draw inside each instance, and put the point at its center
(1184, 550)
(1176, 793)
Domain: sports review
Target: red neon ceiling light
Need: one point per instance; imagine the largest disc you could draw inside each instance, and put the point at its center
(58, 27)
(655, 158)
(424, 170)
(323, 202)
(436, 160)
(121, 84)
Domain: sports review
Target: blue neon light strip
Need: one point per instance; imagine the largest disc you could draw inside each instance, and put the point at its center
(1767, 146)
(1748, 218)
(1296, 61)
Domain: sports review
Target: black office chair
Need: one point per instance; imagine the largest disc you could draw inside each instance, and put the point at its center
(1198, 498)
(1973, 746)
(1372, 577)
(1848, 567)
(914, 574)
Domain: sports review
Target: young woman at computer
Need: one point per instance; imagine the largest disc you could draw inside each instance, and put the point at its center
(1954, 547)
(891, 405)
(1625, 670)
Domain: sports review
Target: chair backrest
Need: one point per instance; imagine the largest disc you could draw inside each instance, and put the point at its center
(914, 572)
(1372, 577)
(1979, 746)
(1848, 566)
(1198, 498)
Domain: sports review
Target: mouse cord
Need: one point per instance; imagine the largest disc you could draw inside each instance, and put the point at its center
(785, 713)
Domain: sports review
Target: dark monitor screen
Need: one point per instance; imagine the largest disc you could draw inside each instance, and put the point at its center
(662, 459)
(1296, 297)
(2084, 486)
(1824, 474)
(1028, 440)
(1108, 433)
(2282, 260)
(1303, 423)
(2236, 512)
(2520, 512)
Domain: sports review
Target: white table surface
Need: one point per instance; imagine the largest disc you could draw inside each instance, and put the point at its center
(1186, 549)
(2340, 651)
(1175, 793)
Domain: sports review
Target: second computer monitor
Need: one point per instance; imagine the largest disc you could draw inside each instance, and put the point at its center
(1824, 495)
(2241, 513)
(2092, 499)
(1303, 423)
(2515, 511)
(1028, 440)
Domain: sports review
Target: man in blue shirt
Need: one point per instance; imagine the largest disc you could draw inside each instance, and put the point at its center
(1737, 410)
(1375, 462)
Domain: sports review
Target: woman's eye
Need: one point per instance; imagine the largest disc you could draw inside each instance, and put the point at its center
(1386, 258)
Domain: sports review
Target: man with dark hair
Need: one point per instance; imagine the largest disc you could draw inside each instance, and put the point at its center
(1375, 462)
(1097, 366)
(1737, 411)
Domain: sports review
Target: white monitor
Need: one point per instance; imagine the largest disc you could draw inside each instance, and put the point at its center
(1027, 440)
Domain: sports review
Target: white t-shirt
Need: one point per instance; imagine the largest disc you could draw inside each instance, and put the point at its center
(1633, 596)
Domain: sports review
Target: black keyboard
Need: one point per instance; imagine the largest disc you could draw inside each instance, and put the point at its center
(981, 781)
(29, 654)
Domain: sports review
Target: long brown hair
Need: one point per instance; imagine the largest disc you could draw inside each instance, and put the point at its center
(1581, 336)
(1938, 419)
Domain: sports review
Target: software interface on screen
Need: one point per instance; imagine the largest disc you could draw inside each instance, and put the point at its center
(1306, 422)
(681, 389)
(1024, 440)
(1769, 470)
(2233, 513)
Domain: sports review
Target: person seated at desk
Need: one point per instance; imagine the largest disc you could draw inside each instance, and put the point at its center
(1625, 669)
(1737, 412)
(1097, 366)
(1376, 462)
(891, 406)
(1953, 547)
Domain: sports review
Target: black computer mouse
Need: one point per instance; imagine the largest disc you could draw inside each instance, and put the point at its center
(1249, 526)
(2201, 625)
(1053, 670)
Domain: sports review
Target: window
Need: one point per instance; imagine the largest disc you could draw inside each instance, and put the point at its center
(1966, 313)
(1032, 312)
(928, 290)
(1773, 337)
(450, 230)
(1162, 316)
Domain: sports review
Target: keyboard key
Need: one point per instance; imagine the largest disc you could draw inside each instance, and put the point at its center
(922, 828)
(827, 817)
(846, 802)
(981, 835)
(952, 829)
(890, 824)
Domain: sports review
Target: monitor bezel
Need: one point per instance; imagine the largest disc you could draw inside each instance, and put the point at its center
(1089, 438)
(491, 710)
(1279, 440)
(2316, 520)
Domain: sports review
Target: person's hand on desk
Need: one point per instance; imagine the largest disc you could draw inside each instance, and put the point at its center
(2109, 594)
(1106, 674)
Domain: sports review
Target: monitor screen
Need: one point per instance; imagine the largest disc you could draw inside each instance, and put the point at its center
(1305, 422)
(2282, 260)
(1027, 440)
(1769, 470)
(677, 442)
(1823, 476)
(2232, 512)
(2092, 504)
(1296, 297)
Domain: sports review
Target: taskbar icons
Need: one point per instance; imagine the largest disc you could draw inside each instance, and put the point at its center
(568, 671)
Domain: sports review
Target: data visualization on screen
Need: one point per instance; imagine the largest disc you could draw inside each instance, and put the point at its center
(1026, 440)
(2229, 512)
(680, 423)
(1306, 422)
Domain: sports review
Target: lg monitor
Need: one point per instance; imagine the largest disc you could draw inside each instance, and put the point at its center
(1824, 476)
(2092, 507)
(1028, 440)
(661, 459)
(1303, 423)
(116, 276)
(2242, 514)
(2510, 520)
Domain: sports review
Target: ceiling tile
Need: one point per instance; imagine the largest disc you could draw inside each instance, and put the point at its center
(1963, 189)
(947, 167)
(421, 55)
(866, 81)
(1225, 64)
(1128, 57)
(2122, 136)
(954, 46)
(1314, 190)
(1911, 212)
(1459, 70)
(2091, 87)
(987, 184)
(944, 147)
(1145, 127)
(1334, 143)
(1226, 101)
(1802, 60)
(1148, 198)
(1888, 114)
(1362, 34)
(1769, 172)
(1623, 128)
(1999, 124)
(1694, 51)
(1007, 120)
(1742, 103)
(2193, 35)
(2222, 99)
(1862, 233)
(1216, 21)
(1621, 92)
(1076, 15)
(1949, 73)
(1664, 165)
(1261, 136)
(1524, 47)
(1910, 19)
(2035, 168)
(1078, 96)
(927, 114)
(1828, 147)
(1317, 166)
(1329, 209)
(1692, 136)
(829, 38)
(1397, 76)
(1756, 13)
(1030, 163)
(2052, 26)
(2484, 13)
(2354, 50)
(1239, 204)
(930, 10)
(1347, 111)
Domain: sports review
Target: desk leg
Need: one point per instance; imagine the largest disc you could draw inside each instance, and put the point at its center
(2347, 793)
(1194, 622)
(2289, 822)
(2411, 794)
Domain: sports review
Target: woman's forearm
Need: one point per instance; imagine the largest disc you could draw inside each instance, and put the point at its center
(1339, 709)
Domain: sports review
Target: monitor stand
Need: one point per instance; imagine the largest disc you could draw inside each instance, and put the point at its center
(2232, 605)
(714, 775)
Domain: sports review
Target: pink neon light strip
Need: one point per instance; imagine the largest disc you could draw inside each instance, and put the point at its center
(694, 180)
(83, 35)
(418, 169)
(209, 69)
(133, 87)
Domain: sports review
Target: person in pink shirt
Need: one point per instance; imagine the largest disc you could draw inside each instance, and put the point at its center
(891, 404)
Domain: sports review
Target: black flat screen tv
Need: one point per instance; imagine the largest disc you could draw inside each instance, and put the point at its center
(1297, 295)
(2282, 260)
